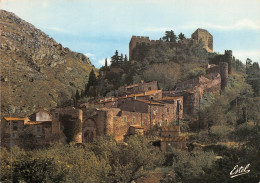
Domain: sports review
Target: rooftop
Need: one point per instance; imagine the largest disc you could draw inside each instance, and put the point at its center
(14, 119)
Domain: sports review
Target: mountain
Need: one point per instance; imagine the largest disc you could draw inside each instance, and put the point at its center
(36, 71)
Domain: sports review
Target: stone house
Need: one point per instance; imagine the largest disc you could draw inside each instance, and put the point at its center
(141, 87)
(112, 121)
(171, 138)
(41, 125)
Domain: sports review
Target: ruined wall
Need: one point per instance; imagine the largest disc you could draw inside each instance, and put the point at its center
(134, 40)
(73, 114)
(206, 37)
(223, 69)
(228, 58)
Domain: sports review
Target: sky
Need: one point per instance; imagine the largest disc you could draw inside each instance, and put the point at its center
(97, 28)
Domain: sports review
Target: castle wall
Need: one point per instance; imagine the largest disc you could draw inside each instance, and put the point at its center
(134, 40)
(228, 58)
(223, 66)
(206, 37)
(75, 114)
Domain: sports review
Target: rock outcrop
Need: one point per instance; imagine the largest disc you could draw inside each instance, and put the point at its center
(36, 71)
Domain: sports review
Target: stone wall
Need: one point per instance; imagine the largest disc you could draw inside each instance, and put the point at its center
(228, 58)
(206, 37)
(73, 114)
(223, 66)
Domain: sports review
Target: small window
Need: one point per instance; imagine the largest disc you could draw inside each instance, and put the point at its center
(125, 119)
(134, 120)
(168, 109)
(15, 126)
(149, 88)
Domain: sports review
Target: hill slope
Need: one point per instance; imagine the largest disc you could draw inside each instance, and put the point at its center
(36, 71)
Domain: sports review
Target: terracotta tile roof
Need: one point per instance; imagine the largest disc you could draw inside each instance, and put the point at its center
(151, 92)
(169, 98)
(137, 126)
(38, 123)
(173, 139)
(14, 119)
(171, 128)
(131, 86)
(149, 102)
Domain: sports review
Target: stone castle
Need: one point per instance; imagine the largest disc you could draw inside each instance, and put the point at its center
(199, 34)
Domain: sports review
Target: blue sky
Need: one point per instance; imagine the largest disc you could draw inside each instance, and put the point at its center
(99, 27)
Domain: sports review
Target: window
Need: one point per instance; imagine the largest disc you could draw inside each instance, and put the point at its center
(125, 119)
(15, 126)
(168, 109)
(38, 128)
(149, 88)
(133, 120)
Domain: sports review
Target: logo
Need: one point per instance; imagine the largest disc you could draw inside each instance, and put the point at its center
(239, 171)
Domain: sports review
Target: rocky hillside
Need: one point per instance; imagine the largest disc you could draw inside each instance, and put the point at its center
(36, 71)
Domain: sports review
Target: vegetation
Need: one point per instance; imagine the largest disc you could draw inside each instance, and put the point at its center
(103, 161)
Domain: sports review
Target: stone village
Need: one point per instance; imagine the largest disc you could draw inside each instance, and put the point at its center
(142, 107)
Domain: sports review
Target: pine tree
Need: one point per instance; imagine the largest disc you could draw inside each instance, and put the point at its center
(115, 58)
(77, 96)
(106, 62)
(125, 59)
(121, 57)
(91, 82)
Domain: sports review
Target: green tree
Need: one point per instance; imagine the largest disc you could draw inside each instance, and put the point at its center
(181, 36)
(121, 57)
(125, 59)
(169, 36)
(115, 59)
(90, 89)
(77, 96)
(106, 62)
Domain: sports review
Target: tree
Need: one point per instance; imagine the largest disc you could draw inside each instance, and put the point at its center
(91, 82)
(77, 96)
(129, 161)
(169, 36)
(125, 59)
(106, 62)
(121, 57)
(115, 59)
(181, 36)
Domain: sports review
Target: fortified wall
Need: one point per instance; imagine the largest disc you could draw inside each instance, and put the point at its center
(140, 39)
(199, 34)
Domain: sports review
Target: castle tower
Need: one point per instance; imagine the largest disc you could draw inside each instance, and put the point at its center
(223, 70)
(134, 40)
(228, 59)
(205, 36)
